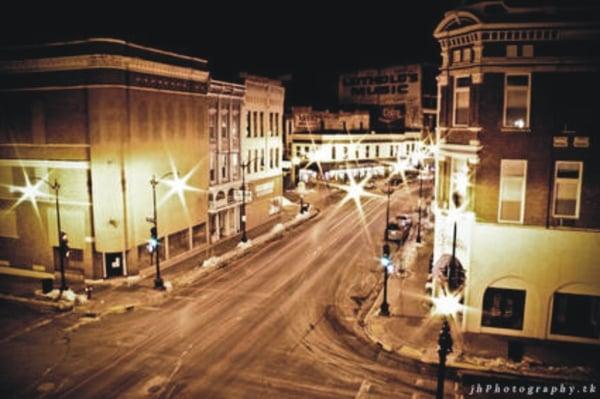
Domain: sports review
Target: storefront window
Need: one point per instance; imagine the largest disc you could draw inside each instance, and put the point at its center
(576, 315)
(503, 308)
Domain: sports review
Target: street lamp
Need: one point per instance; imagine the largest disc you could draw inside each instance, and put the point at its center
(387, 212)
(30, 192)
(178, 185)
(420, 167)
(386, 263)
(444, 348)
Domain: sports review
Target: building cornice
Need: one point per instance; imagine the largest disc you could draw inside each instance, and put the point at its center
(101, 61)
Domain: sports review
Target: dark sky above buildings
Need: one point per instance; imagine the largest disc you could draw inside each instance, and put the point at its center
(312, 40)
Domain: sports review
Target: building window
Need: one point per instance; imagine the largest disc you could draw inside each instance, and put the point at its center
(513, 176)
(235, 121)
(199, 235)
(298, 151)
(345, 152)
(255, 161)
(567, 189)
(248, 124)
(277, 157)
(376, 151)
(179, 242)
(333, 152)
(466, 55)
(213, 175)
(212, 123)
(223, 166)
(576, 315)
(271, 131)
(516, 101)
(262, 124)
(456, 56)
(528, 50)
(503, 308)
(357, 152)
(255, 124)
(461, 100)
(262, 160)
(235, 157)
(224, 123)
(276, 124)
(270, 158)
(511, 50)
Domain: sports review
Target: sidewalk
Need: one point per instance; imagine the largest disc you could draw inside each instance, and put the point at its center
(122, 294)
(412, 332)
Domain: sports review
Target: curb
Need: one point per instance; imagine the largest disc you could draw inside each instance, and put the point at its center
(57, 306)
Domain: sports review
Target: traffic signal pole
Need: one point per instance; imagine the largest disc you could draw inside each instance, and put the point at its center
(158, 281)
(62, 249)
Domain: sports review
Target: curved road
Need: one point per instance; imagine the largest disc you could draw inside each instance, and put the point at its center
(272, 325)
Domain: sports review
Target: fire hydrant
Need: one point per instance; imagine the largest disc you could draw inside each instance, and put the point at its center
(88, 291)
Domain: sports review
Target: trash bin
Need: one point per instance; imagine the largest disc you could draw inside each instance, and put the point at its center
(47, 285)
(515, 351)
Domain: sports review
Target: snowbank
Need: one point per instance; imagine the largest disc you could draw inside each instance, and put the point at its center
(211, 262)
(67, 296)
(245, 245)
(277, 229)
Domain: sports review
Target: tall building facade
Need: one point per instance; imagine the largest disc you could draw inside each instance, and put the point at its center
(224, 127)
(262, 148)
(101, 117)
(518, 150)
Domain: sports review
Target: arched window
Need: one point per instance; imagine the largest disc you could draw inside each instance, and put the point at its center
(503, 308)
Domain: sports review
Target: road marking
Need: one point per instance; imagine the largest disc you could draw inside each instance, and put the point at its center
(363, 391)
(32, 327)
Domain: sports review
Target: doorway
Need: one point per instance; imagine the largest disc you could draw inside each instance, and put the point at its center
(114, 264)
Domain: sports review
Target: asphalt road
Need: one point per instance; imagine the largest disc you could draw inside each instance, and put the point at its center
(274, 324)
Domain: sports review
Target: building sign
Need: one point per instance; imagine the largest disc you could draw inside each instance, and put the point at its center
(264, 189)
(393, 94)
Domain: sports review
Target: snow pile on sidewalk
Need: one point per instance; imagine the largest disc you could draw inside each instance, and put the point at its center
(277, 229)
(302, 216)
(213, 261)
(286, 202)
(244, 245)
(67, 296)
(526, 365)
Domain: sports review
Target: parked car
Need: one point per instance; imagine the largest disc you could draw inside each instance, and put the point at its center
(399, 230)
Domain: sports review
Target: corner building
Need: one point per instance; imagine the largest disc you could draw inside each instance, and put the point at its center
(101, 116)
(517, 140)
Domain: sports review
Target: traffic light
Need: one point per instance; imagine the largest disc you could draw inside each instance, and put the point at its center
(153, 241)
(385, 258)
(64, 244)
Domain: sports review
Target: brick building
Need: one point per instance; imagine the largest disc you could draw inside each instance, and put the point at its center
(224, 127)
(262, 145)
(101, 117)
(516, 140)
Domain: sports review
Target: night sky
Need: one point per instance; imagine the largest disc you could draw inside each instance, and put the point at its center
(312, 41)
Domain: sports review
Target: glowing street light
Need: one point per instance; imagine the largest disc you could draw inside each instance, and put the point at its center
(178, 186)
(387, 264)
(30, 193)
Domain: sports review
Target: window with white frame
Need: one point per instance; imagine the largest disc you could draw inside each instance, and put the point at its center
(513, 177)
(516, 101)
(567, 189)
(461, 100)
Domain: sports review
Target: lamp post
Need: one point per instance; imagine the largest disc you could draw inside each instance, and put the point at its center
(386, 262)
(244, 165)
(387, 212)
(420, 167)
(444, 348)
(63, 249)
(158, 281)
